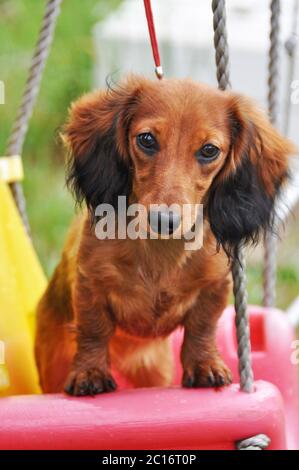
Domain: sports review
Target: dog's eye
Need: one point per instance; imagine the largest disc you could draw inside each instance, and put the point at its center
(147, 142)
(207, 153)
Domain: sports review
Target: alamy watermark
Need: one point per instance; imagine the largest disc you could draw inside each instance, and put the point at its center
(295, 93)
(295, 353)
(2, 92)
(2, 352)
(156, 221)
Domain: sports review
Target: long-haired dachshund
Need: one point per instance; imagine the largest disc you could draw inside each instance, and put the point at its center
(162, 142)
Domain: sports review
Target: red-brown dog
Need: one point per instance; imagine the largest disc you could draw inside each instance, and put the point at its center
(170, 141)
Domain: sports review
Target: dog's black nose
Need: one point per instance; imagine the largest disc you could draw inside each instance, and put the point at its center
(164, 222)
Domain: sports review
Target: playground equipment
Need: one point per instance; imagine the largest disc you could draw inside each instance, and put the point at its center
(257, 414)
(19, 271)
(173, 418)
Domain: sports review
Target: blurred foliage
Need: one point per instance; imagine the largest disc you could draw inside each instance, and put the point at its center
(287, 284)
(68, 74)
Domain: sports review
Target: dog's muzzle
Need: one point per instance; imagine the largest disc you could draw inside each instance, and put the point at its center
(164, 222)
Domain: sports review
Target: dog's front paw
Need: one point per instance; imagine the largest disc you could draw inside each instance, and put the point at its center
(211, 373)
(89, 382)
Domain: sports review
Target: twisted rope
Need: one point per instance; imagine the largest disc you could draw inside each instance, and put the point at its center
(274, 62)
(221, 44)
(258, 442)
(238, 271)
(242, 322)
(269, 272)
(270, 242)
(20, 127)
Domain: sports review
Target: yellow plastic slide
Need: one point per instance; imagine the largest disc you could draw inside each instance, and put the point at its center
(22, 283)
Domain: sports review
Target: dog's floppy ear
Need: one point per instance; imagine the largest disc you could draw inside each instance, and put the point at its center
(96, 135)
(241, 199)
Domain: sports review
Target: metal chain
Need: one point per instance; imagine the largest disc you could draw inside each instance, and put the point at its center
(238, 268)
(20, 127)
(270, 241)
(258, 442)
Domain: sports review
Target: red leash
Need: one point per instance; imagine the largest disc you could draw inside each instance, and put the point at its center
(153, 38)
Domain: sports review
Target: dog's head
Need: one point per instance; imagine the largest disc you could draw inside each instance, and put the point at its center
(179, 142)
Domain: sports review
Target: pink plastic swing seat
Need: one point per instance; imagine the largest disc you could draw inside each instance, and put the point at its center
(173, 418)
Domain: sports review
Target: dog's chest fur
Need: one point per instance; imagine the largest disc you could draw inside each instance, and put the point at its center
(148, 292)
(148, 306)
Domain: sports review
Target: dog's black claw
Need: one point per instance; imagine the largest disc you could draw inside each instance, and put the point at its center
(188, 381)
(82, 389)
(110, 385)
(95, 389)
(219, 382)
(69, 388)
(211, 379)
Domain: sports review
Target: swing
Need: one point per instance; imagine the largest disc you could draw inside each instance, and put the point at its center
(255, 414)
